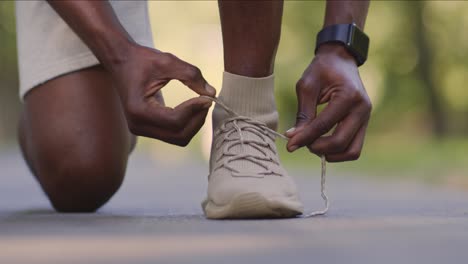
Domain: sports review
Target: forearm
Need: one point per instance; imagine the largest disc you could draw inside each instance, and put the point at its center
(343, 12)
(346, 12)
(97, 25)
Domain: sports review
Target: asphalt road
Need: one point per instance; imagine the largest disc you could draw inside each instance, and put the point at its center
(156, 218)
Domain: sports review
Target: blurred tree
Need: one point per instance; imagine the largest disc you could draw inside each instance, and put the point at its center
(9, 102)
(424, 71)
(417, 63)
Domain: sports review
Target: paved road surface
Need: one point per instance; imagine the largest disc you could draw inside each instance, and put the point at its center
(156, 218)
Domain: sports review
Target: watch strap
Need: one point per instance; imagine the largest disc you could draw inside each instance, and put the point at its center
(334, 33)
(354, 40)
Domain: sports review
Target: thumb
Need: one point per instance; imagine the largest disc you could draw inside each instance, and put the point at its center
(188, 109)
(307, 97)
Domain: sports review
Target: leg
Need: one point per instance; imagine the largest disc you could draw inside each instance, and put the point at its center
(75, 140)
(251, 34)
(246, 178)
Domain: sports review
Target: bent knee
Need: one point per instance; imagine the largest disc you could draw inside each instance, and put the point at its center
(80, 182)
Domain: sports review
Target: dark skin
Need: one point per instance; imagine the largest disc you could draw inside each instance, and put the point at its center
(75, 139)
(139, 73)
(333, 78)
(79, 155)
(251, 34)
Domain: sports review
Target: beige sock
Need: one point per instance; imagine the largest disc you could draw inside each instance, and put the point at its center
(247, 96)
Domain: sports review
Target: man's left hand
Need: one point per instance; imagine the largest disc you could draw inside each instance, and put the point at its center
(332, 78)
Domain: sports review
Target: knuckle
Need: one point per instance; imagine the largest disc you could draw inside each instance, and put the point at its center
(302, 84)
(338, 143)
(354, 95)
(181, 141)
(167, 59)
(184, 143)
(354, 155)
(367, 105)
(314, 150)
(193, 73)
(170, 56)
(365, 109)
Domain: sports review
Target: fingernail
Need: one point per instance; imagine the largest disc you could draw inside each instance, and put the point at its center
(291, 130)
(293, 148)
(210, 89)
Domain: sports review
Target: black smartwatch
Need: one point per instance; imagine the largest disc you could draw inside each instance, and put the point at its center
(355, 41)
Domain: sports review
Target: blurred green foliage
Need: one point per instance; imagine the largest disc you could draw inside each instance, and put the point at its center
(416, 77)
(9, 103)
(417, 65)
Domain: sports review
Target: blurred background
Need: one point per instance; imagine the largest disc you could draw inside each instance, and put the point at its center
(416, 76)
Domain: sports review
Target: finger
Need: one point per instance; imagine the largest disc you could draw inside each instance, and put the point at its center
(194, 126)
(177, 119)
(354, 150)
(186, 110)
(332, 114)
(307, 97)
(152, 114)
(192, 77)
(179, 138)
(342, 136)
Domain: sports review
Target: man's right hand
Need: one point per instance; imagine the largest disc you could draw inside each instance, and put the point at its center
(139, 78)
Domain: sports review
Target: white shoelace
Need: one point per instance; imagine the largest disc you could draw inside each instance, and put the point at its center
(259, 129)
(233, 135)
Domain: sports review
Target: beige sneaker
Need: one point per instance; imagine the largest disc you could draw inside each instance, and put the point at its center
(246, 178)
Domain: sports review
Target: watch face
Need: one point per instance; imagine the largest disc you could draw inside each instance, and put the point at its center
(359, 42)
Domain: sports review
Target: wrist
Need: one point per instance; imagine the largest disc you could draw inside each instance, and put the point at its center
(337, 50)
(112, 48)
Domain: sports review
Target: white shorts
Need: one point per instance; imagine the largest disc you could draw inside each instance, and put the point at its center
(48, 48)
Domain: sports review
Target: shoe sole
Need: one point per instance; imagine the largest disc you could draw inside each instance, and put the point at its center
(253, 205)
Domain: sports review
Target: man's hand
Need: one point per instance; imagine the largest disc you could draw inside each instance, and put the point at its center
(139, 73)
(332, 78)
(139, 78)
